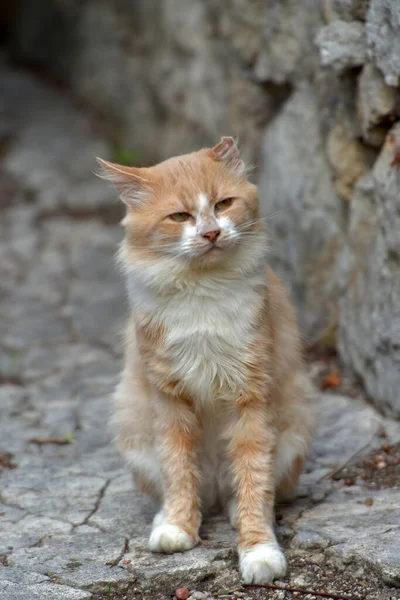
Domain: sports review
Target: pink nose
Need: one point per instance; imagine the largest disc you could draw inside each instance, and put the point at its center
(212, 235)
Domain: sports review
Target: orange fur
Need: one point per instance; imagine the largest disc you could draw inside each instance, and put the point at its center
(287, 486)
(212, 406)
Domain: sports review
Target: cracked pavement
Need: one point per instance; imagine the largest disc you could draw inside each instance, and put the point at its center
(71, 526)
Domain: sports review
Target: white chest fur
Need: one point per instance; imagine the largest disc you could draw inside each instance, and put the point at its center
(209, 327)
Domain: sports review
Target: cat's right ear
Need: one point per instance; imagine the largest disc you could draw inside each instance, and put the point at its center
(133, 186)
(227, 152)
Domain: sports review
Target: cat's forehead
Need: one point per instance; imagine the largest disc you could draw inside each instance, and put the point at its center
(195, 178)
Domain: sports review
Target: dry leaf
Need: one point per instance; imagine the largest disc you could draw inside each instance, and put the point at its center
(333, 380)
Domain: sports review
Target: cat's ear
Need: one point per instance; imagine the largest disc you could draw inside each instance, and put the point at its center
(227, 152)
(133, 185)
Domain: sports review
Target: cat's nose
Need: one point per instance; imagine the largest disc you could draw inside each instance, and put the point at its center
(212, 235)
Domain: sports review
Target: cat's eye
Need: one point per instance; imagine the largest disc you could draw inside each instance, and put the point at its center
(180, 217)
(223, 204)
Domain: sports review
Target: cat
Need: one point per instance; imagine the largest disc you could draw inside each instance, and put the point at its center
(212, 409)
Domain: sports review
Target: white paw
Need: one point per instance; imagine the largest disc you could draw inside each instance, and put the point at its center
(158, 519)
(170, 538)
(262, 563)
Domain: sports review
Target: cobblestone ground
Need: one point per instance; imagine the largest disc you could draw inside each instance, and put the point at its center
(71, 526)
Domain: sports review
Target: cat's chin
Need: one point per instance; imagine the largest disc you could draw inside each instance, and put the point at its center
(211, 260)
(213, 255)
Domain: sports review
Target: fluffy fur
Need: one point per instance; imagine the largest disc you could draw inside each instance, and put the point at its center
(211, 411)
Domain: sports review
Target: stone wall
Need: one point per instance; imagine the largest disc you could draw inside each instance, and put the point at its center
(331, 179)
(310, 88)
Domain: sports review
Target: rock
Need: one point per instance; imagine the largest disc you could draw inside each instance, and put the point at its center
(300, 581)
(29, 531)
(286, 51)
(225, 57)
(354, 533)
(121, 54)
(22, 577)
(182, 593)
(383, 38)
(377, 105)
(342, 45)
(305, 214)
(259, 34)
(349, 159)
(309, 540)
(41, 591)
(369, 339)
(349, 10)
(332, 445)
(153, 572)
(61, 173)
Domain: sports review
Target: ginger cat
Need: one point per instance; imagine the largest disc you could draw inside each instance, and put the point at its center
(212, 407)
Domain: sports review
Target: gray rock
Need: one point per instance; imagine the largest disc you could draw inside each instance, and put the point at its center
(348, 10)
(21, 577)
(171, 571)
(355, 531)
(199, 596)
(40, 591)
(29, 531)
(286, 51)
(42, 163)
(370, 280)
(349, 158)
(309, 540)
(60, 553)
(89, 575)
(302, 211)
(223, 54)
(383, 38)
(332, 445)
(10, 514)
(377, 105)
(342, 45)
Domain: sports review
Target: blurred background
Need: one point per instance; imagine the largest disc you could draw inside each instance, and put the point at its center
(310, 89)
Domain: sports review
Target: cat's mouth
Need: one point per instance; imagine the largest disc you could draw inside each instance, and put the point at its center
(211, 248)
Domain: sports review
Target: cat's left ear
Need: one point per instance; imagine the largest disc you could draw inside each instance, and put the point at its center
(227, 152)
(133, 184)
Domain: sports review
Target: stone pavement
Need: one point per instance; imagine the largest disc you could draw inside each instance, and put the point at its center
(71, 526)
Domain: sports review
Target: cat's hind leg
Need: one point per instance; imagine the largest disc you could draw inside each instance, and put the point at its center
(294, 439)
(132, 424)
(286, 489)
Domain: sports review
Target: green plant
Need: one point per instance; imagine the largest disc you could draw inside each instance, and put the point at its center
(127, 157)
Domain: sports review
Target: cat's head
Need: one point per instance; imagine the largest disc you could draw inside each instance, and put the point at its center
(198, 209)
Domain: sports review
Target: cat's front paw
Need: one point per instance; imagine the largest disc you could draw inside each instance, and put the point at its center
(171, 538)
(263, 563)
